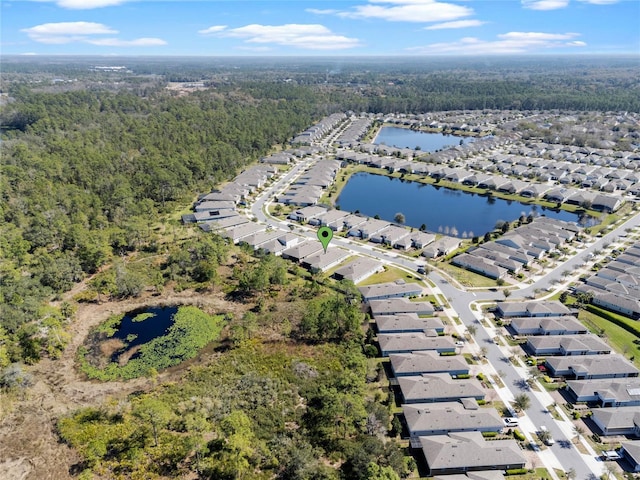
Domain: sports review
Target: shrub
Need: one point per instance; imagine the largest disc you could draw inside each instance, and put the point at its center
(463, 376)
(576, 415)
(518, 435)
(489, 434)
(447, 354)
(481, 377)
(516, 471)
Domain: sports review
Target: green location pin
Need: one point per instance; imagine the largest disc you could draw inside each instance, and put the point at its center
(325, 234)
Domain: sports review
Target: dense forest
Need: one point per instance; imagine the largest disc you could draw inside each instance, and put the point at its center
(86, 175)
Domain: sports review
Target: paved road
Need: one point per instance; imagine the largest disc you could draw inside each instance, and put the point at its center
(563, 452)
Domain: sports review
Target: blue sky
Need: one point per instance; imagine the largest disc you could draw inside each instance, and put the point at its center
(320, 27)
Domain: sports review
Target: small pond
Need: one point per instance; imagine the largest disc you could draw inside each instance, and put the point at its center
(428, 142)
(141, 326)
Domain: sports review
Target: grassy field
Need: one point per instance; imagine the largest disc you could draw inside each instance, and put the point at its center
(390, 274)
(467, 278)
(620, 339)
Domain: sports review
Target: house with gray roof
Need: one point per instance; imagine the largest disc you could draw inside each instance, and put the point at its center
(617, 421)
(438, 387)
(478, 475)
(591, 366)
(408, 323)
(563, 325)
(468, 451)
(545, 308)
(425, 419)
(299, 252)
(334, 219)
(479, 265)
(237, 233)
(606, 392)
(567, 345)
(427, 361)
(323, 261)
(359, 269)
(414, 342)
(442, 246)
(382, 291)
(394, 306)
(630, 451)
(306, 214)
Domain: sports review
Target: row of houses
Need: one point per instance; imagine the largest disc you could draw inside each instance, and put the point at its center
(316, 132)
(310, 185)
(616, 286)
(518, 248)
(376, 231)
(441, 411)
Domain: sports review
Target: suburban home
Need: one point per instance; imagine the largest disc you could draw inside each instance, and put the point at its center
(564, 325)
(438, 387)
(321, 261)
(299, 252)
(413, 342)
(215, 205)
(546, 308)
(221, 224)
(617, 420)
(358, 270)
(591, 366)
(607, 392)
(334, 219)
(443, 246)
(260, 238)
(394, 306)
(467, 451)
(408, 323)
(479, 265)
(237, 233)
(567, 345)
(630, 451)
(399, 288)
(307, 213)
(425, 419)
(477, 475)
(427, 361)
(368, 228)
(607, 203)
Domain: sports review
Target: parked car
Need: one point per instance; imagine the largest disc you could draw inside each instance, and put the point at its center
(510, 422)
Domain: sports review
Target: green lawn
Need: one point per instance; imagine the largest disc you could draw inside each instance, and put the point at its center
(390, 274)
(620, 339)
(467, 278)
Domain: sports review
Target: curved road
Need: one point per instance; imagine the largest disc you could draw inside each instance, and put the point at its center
(462, 302)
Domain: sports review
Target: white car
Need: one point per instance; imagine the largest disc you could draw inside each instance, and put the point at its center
(510, 422)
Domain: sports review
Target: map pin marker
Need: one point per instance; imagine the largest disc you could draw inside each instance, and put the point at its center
(325, 234)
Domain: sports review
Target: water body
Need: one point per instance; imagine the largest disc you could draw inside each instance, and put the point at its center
(440, 209)
(428, 142)
(158, 320)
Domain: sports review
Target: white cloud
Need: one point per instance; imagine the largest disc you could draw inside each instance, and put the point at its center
(138, 42)
(66, 32)
(212, 29)
(600, 2)
(307, 36)
(84, 4)
(84, 32)
(507, 43)
(409, 11)
(456, 24)
(545, 4)
(319, 11)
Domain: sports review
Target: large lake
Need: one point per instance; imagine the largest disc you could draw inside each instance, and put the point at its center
(428, 142)
(440, 209)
